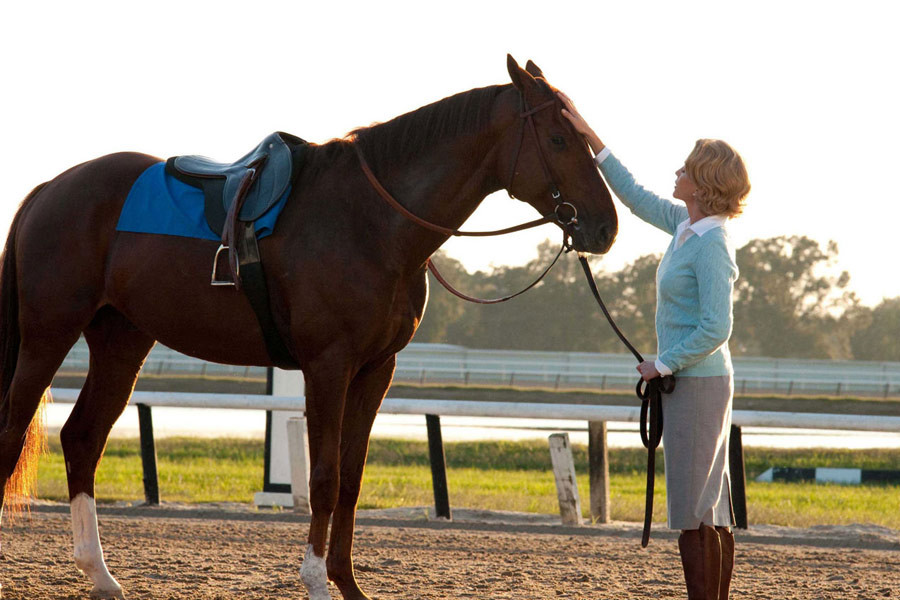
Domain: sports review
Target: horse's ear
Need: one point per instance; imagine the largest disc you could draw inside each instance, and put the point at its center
(520, 78)
(534, 69)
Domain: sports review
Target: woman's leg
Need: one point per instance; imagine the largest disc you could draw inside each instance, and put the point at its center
(701, 558)
(726, 541)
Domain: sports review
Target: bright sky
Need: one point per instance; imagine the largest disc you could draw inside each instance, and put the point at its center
(807, 91)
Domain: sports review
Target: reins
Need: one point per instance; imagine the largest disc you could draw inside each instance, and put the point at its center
(429, 225)
(650, 394)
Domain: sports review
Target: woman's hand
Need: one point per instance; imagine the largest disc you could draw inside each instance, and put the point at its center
(648, 371)
(580, 125)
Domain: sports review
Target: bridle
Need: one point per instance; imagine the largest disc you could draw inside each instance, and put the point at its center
(527, 114)
(568, 224)
(650, 393)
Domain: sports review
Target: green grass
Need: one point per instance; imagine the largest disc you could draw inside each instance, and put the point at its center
(488, 475)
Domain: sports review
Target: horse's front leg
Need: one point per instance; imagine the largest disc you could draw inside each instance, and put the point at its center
(327, 381)
(363, 400)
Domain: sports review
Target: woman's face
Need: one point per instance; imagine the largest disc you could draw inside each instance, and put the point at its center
(684, 186)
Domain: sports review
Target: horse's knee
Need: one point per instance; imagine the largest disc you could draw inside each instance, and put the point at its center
(324, 487)
(349, 493)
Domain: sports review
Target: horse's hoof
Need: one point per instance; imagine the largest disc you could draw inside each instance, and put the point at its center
(314, 576)
(116, 594)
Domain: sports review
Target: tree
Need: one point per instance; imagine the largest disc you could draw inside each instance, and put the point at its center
(879, 339)
(789, 301)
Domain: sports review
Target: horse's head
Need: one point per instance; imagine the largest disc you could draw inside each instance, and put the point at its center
(545, 163)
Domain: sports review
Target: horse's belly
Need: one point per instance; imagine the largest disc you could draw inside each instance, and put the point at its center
(162, 284)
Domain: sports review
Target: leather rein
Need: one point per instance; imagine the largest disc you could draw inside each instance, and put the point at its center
(650, 392)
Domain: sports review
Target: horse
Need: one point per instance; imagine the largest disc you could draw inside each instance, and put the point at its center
(345, 271)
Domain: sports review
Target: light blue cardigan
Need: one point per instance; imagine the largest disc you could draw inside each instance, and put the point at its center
(694, 285)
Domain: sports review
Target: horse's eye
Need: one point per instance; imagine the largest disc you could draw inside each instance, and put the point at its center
(558, 141)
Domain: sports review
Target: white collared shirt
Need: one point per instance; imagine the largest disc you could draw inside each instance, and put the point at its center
(686, 229)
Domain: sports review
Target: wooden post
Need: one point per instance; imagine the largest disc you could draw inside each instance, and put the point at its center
(148, 455)
(298, 451)
(438, 467)
(738, 478)
(566, 484)
(598, 458)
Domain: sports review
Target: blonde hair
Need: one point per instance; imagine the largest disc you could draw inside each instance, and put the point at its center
(720, 176)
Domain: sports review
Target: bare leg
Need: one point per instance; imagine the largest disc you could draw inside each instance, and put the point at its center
(363, 400)
(326, 389)
(117, 353)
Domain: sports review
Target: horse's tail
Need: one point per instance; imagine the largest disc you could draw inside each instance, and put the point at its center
(22, 482)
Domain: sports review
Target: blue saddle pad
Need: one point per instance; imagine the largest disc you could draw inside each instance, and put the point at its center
(159, 203)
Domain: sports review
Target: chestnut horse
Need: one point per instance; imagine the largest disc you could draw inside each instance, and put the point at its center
(346, 277)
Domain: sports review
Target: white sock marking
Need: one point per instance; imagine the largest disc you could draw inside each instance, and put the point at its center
(315, 575)
(88, 552)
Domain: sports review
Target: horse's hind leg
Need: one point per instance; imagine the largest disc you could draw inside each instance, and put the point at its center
(21, 429)
(363, 400)
(117, 352)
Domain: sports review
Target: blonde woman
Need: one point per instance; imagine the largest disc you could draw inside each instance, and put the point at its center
(694, 284)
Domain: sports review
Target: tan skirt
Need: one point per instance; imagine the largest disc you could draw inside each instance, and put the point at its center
(697, 426)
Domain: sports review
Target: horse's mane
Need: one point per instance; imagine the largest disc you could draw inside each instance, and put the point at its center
(413, 133)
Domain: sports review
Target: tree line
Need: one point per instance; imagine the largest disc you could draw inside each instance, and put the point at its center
(789, 301)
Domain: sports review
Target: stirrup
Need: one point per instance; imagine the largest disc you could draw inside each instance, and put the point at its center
(220, 282)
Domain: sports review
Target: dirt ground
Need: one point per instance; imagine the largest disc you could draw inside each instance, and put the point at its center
(233, 552)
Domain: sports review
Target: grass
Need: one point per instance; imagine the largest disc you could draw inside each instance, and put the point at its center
(488, 475)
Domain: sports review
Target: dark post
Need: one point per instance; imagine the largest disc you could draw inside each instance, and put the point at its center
(148, 454)
(598, 460)
(438, 467)
(738, 479)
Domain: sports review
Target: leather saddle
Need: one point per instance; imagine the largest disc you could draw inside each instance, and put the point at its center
(256, 181)
(235, 195)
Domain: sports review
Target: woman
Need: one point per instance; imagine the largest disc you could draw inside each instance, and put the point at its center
(694, 284)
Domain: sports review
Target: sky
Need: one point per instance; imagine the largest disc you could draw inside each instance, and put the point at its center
(807, 92)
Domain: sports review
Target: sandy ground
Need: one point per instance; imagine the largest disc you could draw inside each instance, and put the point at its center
(235, 552)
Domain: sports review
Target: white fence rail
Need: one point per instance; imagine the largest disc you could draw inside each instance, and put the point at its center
(439, 363)
(523, 410)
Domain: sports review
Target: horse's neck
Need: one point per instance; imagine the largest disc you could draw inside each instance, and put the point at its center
(442, 187)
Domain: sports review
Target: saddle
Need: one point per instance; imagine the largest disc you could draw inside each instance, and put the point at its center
(235, 195)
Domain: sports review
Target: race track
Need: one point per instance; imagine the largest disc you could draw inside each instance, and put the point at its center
(229, 554)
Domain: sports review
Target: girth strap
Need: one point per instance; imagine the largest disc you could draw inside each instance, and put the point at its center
(257, 292)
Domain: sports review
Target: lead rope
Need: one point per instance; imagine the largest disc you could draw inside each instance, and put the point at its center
(650, 394)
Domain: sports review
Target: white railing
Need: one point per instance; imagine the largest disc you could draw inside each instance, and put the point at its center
(437, 363)
(523, 410)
